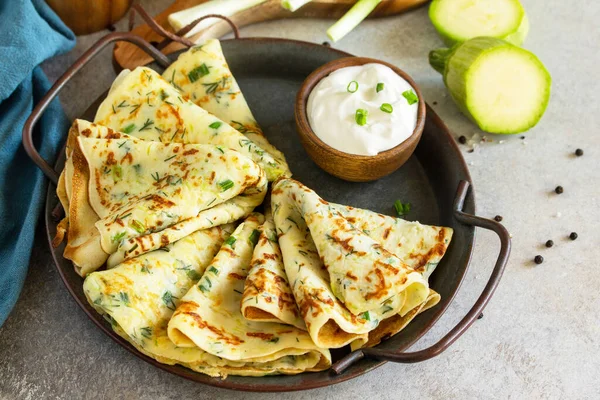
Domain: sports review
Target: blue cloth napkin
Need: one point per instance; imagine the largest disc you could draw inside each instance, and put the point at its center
(30, 34)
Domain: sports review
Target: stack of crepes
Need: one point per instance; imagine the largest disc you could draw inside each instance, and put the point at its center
(164, 193)
(155, 167)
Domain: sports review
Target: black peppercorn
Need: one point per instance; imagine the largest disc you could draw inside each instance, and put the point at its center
(549, 243)
(578, 152)
(462, 139)
(435, 103)
(480, 316)
(498, 218)
(522, 137)
(538, 259)
(559, 190)
(326, 44)
(573, 235)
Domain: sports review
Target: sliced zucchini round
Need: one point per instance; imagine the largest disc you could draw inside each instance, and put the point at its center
(460, 20)
(501, 87)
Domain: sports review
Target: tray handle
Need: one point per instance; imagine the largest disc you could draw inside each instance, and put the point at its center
(469, 319)
(60, 83)
(178, 36)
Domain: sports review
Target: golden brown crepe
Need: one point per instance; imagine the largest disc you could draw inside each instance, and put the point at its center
(267, 294)
(391, 326)
(203, 75)
(134, 196)
(83, 242)
(139, 297)
(328, 318)
(142, 104)
(209, 315)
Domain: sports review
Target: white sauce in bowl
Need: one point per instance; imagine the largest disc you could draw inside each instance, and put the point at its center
(333, 103)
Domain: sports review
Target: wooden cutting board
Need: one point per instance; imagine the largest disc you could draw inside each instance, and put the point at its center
(127, 55)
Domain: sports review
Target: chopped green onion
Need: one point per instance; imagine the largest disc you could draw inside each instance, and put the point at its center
(198, 73)
(230, 240)
(352, 87)
(354, 16)
(254, 236)
(366, 316)
(167, 299)
(124, 297)
(193, 275)
(401, 209)
(226, 185)
(138, 226)
(386, 107)
(117, 238)
(215, 125)
(361, 116)
(379, 87)
(128, 129)
(410, 97)
(117, 173)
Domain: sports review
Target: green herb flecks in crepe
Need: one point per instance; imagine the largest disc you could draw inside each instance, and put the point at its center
(203, 75)
(140, 295)
(161, 193)
(157, 193)
(160, 112)
(267, 294)
(327, 317)
(209, 316)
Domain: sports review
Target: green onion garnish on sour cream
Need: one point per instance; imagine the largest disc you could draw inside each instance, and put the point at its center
(352, 87)
(386, 107)
(364, 122)
(410, 97)
(361, 116)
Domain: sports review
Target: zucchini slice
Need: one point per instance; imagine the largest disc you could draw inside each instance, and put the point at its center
(499, 86)
(460, 20)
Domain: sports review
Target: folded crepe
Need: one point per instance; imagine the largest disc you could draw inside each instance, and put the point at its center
(209, 316)
(142, 195)
(420, 246)
(267, 294)
(142, 104)
(83, 242)
(202, 74)
(269, 297)
(139, 296)
(312, 269)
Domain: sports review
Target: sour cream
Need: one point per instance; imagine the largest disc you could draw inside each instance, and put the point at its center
(333, 104)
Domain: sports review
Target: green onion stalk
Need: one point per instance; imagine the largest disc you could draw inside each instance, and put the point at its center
(351, 19)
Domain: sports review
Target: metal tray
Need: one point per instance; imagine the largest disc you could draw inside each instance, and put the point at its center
(435, 180)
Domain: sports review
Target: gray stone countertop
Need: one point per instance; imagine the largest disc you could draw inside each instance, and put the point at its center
(540, 335)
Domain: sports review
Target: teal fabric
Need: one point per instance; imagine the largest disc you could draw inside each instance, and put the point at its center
(30, 33)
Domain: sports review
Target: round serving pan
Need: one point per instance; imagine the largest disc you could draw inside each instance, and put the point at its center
(435, 180)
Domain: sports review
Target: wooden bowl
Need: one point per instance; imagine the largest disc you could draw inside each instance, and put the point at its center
(352, 167)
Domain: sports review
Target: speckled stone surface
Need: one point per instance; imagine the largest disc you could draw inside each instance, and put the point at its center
(540, 336)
